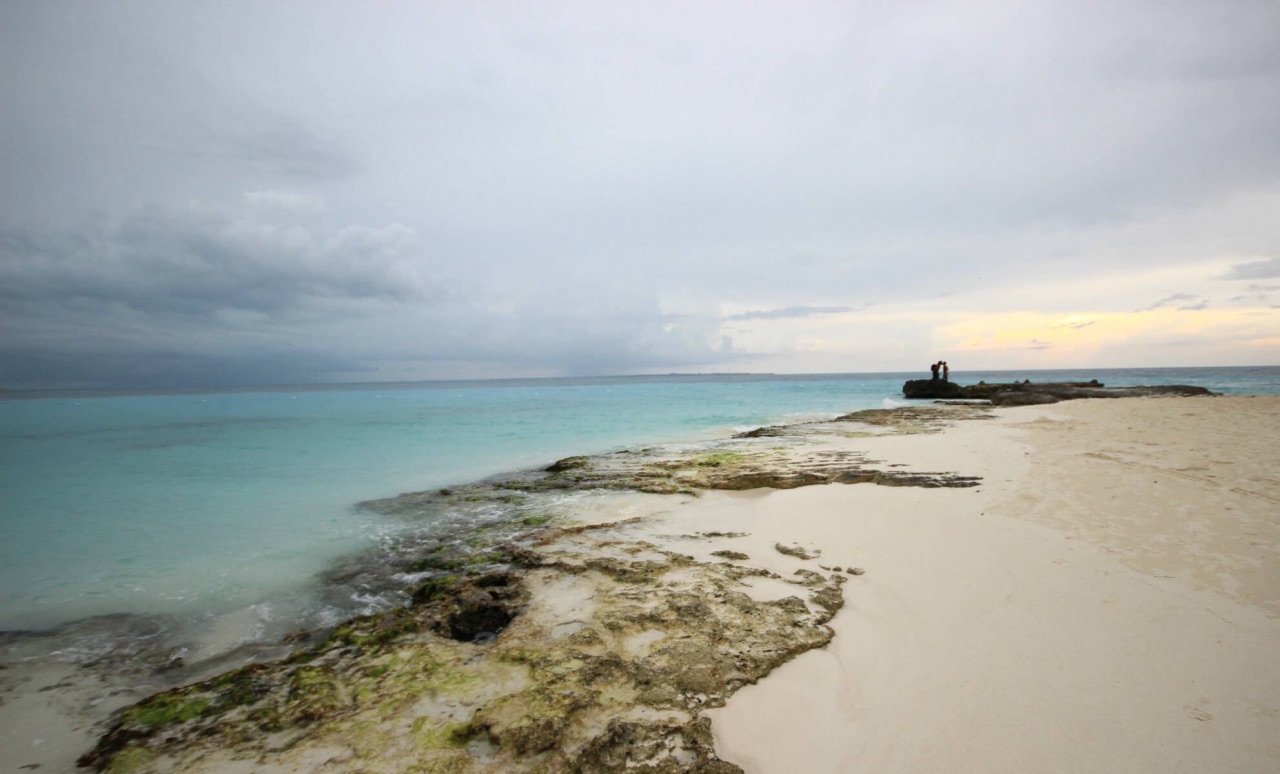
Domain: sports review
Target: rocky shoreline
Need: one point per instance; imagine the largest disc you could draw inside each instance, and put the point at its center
(481, 666)
(1027, 393)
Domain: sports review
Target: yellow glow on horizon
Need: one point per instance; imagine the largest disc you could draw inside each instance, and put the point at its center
(896, 337)
(1084, 333)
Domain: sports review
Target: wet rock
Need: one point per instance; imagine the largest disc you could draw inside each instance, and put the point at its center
(1026, 393)
(314, 687)
(568, 463)
(398, 694)
(109, 746)
(737, 556)
(932, 388)
(772, 431)
(478, 614)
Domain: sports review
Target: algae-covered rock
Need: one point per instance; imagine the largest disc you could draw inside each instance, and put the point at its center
(349, 672)
(663, 638)
(568, 463)
(485, 667)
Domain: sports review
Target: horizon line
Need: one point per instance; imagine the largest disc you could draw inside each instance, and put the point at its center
(45, 392)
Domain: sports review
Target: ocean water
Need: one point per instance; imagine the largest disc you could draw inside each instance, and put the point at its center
(225, 507)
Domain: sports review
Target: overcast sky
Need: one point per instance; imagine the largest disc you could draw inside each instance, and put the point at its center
(248, 192)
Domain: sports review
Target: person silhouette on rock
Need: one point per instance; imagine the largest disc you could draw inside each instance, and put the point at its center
(934, 368)
(946, 372)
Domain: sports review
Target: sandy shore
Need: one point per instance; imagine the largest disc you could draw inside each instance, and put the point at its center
(1108, 600)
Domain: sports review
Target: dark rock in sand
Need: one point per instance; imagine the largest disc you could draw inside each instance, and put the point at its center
(932, 388)
(771, 431)
(1026, 393)
(568, 463)
(795, 551)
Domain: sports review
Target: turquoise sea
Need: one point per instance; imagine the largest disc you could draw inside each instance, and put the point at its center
(226, 506)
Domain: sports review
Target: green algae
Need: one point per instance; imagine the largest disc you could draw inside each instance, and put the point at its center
(164, 709)
(435, 588)
(446, 736)
(131, 760)
(372, 632)
(529, 699)
(240, 686)
(718, 459)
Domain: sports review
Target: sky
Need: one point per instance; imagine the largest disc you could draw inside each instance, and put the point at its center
(238, 193)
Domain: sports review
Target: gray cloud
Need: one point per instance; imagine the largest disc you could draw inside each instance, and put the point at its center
(1183, 302)
(89, 367)
(1254, 270)
(278, 147)
(201, 260)
(1257, 294)
(579, 188)
(789, 312)
(215, 294)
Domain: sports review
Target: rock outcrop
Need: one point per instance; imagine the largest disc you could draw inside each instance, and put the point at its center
(522, 643)
(1027, 393)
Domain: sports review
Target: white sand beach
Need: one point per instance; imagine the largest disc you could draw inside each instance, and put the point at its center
(1107, 600)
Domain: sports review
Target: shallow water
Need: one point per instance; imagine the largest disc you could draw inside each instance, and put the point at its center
(220, 510)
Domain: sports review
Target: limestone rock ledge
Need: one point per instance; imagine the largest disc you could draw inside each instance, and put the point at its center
(481, 675)
(1027, 393)
(526, 646)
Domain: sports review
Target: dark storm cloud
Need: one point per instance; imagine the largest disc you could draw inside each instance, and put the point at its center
(789, 313)
(197, 295)
(92, 366)
(201, 260)
(230, 294)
